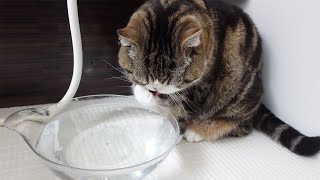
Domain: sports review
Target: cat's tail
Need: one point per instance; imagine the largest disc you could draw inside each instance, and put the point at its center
(290, 138)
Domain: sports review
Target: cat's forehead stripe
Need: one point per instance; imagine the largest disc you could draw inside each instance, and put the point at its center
(163, 20)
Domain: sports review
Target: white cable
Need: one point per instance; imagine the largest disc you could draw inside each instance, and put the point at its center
(77, 60)
(77, 67)
(77, 50)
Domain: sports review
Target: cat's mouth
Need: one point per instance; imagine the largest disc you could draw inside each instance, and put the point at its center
(155, 93)
(159, 95)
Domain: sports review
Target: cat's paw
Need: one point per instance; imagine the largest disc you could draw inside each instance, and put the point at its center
(192, 136)
(143, 95)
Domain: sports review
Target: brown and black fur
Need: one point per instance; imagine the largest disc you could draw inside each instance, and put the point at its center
(222, 88)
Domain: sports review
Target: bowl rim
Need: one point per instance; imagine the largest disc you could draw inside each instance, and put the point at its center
(125, 169)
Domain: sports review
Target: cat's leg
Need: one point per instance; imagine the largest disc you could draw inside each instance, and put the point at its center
(192, 136)
(211, 130)
(243, 129)
(182, 125)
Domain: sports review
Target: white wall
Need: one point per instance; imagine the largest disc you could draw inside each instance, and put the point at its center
(291, 33)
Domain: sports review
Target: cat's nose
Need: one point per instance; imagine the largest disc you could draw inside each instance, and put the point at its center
(157, 86)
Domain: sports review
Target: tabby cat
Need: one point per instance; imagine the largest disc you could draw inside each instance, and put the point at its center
(202, 60)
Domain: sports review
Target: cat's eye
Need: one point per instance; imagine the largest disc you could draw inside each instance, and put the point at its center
(127, 71)
(127, 46)
(188, 81)
(194, 52)
(124, 43)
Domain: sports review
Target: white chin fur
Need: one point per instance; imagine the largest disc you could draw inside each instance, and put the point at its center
(168, 90)
(162, 89)
(143, 95)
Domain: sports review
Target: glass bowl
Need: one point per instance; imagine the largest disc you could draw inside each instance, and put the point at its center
(101, 137)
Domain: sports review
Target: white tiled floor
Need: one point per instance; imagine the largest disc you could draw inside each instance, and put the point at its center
(251, 157)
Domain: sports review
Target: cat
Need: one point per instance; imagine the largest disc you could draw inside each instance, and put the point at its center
(201, 59)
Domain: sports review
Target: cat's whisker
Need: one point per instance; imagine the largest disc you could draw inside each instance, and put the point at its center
(123, 78)
(185, 100)
(125, 86)
(179, 103)
(119, 78)
(173, 100)
(117, 69)
(120, 69)
(114, 76)
(188, 90)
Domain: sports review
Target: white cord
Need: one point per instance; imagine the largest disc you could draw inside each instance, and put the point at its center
(77, 60)
(77, 50)
(77, 65)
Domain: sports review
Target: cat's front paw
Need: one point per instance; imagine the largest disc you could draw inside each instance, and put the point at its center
(192, 136)
(143, 95)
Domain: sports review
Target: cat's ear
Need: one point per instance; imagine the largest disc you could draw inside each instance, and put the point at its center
(191, 38)
(126, 37)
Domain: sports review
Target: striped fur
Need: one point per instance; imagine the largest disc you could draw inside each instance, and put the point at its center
(284, 134)
(208, 56)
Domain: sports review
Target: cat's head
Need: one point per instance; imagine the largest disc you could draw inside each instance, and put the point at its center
(165, 49)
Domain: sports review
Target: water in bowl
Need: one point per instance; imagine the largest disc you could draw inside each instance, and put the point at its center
(106, 137)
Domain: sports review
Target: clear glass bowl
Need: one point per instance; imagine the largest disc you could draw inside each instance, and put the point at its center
(102, 137)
